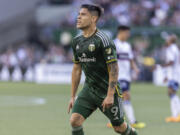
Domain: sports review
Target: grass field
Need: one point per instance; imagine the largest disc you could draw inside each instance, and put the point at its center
(32, 109)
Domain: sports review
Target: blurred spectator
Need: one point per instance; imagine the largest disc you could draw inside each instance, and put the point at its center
(133, 12)
(41, 46)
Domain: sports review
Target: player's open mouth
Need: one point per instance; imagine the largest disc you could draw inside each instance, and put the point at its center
(78, 22)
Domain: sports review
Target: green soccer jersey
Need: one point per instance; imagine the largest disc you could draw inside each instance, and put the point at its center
(93, 54)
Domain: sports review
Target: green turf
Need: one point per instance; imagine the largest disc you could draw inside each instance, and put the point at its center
(150, 102)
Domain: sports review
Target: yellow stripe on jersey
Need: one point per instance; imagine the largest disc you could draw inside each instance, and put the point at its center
(109, 61)
(120, 95)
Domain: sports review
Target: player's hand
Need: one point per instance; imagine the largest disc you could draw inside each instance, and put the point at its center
(71, 103)
(137, 71)
(108, 102)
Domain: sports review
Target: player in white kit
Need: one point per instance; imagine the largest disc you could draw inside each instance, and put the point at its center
(126, 63)
(172, 65)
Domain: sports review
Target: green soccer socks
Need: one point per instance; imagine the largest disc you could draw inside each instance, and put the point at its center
(77, 130)
(129, 131)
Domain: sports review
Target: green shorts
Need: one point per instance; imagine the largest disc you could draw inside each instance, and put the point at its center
(87, 102)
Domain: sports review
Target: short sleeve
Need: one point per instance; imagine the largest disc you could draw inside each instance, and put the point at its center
(109, 52)
(75, 58)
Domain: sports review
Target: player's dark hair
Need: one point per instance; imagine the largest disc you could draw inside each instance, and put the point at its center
(123, 28)
(93, 8)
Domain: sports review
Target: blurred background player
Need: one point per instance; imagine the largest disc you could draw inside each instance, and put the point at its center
(171, 66)
(126, 62)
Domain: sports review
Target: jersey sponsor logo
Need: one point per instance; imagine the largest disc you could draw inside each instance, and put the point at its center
(87, 59)
(84, 58)
(91, 47)
(108, 51)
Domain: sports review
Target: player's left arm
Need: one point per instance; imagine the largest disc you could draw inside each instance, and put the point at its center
(113, 79)
(110, 56)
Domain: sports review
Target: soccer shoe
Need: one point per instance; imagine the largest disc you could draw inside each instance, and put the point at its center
(172, 119)
(138, 125)
(109, 125)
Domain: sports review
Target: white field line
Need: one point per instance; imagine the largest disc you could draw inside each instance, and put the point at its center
(21, 101)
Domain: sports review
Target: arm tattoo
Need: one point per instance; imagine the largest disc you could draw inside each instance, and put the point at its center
(113, 70)
(113, 84)
(113, 74)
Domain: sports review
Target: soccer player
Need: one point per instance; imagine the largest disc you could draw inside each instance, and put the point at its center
(95, 54)
(172, 57)
(126, 63)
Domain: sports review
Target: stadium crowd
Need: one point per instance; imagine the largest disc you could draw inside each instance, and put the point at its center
(24, 57)
(134, 12)
(131, 12)
(28, 55)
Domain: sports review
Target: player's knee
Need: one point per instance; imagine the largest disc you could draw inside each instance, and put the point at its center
(76, 120)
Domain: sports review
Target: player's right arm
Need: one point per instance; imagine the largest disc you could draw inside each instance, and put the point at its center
(76, 77)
